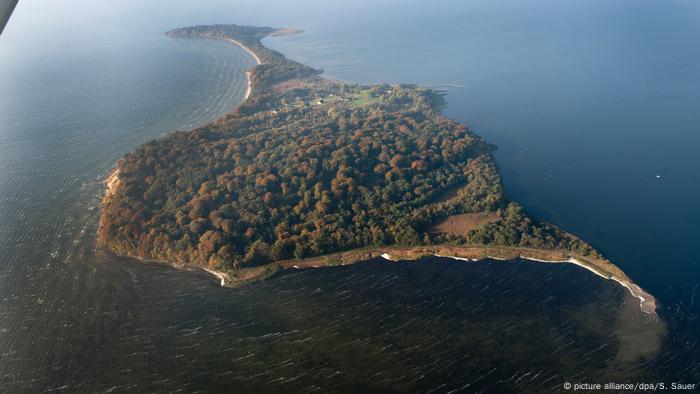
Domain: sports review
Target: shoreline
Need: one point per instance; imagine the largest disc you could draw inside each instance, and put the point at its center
(608, 271)
(111, 182)
(647, 302)
(245, 48)
(241, 276)
(218, 274)
(601, 268)
(249, 89)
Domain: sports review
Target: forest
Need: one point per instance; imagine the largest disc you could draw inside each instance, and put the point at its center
(307, 167)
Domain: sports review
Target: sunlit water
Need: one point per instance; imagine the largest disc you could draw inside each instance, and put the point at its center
(584, 123)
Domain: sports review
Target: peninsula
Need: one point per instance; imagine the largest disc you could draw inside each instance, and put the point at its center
(309, 172)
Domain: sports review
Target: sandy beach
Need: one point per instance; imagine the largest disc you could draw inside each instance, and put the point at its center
(245, 48)
(257, 61)
(249, 89)
(218, 274)
(647, 302)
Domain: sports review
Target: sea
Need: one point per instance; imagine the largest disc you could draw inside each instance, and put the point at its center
(593, 106)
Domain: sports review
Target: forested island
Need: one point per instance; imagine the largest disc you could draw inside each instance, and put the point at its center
(311, 172)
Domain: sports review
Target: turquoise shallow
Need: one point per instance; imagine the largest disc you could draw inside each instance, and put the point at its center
(593, 106)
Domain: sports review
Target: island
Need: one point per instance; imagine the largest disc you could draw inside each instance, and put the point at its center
(310, 172)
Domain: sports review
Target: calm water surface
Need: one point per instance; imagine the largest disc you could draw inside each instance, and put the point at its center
(593, 107)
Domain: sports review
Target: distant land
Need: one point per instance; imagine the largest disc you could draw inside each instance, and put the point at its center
(309, 172)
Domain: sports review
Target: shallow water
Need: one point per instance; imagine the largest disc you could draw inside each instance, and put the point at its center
(81, 85)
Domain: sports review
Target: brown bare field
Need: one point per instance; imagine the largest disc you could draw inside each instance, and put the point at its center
(461, 224)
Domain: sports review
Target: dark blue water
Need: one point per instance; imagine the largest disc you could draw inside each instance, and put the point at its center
(592, 105)
(588, 101)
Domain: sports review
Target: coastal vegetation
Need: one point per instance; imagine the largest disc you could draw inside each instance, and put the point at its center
(307, 167)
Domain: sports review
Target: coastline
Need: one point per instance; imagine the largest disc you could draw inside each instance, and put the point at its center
(218, 274)
(647, 302)
(111, 183)
(242, 276)
(249, 89)
(245, 48)
(603, 268)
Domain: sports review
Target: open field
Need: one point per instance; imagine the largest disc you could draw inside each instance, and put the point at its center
(462, 224)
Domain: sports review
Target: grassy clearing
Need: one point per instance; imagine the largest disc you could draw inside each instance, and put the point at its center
(365, 97)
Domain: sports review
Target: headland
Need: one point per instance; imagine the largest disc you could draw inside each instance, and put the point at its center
(308, 172)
